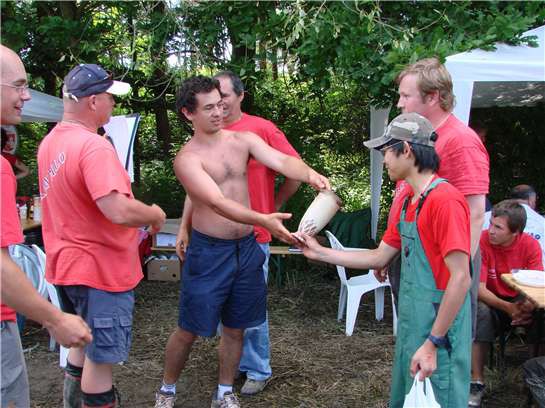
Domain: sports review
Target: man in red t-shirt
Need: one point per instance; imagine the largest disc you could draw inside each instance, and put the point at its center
(255, 360)
(17, 164)
(89, 222)
(425, 87)
(17, 290)
(431, 233)
(504, 247)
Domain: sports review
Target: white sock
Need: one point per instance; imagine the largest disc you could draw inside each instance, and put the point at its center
(222, 389)
(168, 388)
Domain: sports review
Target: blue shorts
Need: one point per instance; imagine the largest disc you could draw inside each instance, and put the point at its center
(222, 280)
(108, 314)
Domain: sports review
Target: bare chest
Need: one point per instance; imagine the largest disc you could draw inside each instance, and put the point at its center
(227, 164)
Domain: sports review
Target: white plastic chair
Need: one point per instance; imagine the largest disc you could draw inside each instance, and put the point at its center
(54, 298)
(354, 288)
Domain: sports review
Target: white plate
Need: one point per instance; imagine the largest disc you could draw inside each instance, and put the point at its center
(530, 277)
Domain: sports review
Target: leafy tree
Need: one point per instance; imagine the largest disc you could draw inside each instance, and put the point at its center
(314, 68)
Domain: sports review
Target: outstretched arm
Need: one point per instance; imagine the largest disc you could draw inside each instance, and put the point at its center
(371, 259)
(289, 166)
(201, 187)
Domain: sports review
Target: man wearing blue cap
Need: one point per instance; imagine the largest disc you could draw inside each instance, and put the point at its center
(17, 292)
(90, 220)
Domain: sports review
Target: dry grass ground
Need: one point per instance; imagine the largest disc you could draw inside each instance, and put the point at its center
(314, 363)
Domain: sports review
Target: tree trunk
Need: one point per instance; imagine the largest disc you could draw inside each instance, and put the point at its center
(160, 79)
(244, 57)
(274, 59)
(162, 124)
(68, 10)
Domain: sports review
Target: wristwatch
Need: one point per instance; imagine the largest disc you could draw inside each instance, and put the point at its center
(439, 341)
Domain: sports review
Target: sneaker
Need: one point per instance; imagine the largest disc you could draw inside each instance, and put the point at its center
(229, 400)
(253, 387)
(164, 400)
(476, 392)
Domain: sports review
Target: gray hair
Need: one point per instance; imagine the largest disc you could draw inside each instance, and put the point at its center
(238, 86)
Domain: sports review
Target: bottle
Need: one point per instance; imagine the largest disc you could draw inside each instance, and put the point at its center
(37, 215)
(22, 211)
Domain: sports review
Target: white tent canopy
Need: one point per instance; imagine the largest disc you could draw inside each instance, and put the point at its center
(121, 129)
(507, 76)
(42, 108)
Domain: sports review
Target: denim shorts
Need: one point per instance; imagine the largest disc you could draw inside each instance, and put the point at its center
(108, 314)
(222, 280)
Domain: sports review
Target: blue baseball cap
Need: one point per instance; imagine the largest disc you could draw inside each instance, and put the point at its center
(91, 79)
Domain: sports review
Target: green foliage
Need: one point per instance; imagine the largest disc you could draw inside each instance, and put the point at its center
(29, 137)
(159, 186)
(312, 67)
(371, 41)
(329, 140)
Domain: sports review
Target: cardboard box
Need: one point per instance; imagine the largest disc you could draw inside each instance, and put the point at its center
(164, 269)
(166, 238)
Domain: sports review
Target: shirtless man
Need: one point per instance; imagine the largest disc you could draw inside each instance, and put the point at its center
(222, 278)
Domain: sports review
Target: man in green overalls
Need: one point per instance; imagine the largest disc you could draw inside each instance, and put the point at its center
(433, 234)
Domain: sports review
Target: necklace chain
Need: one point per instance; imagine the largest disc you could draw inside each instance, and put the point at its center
(426, 185)
(415, 198)
(77, 122)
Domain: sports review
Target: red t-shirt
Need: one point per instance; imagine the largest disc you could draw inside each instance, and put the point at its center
(77, 167)
(443, 226)
(464, 161)
(11, 158)
(10, 227)
(261, 178)
(523, 253)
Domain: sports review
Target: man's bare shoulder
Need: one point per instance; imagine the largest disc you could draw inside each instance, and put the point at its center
(242, 137)
(188, 153)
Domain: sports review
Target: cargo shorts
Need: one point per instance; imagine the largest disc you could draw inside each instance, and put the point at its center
(108, 314)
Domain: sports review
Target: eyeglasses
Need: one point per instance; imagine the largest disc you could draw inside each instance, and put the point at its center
(387, 147)
(19, 88)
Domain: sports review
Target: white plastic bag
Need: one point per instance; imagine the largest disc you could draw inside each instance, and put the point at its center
(421, 395)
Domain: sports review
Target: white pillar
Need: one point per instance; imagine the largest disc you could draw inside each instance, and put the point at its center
(379, 121)
(463, 91)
